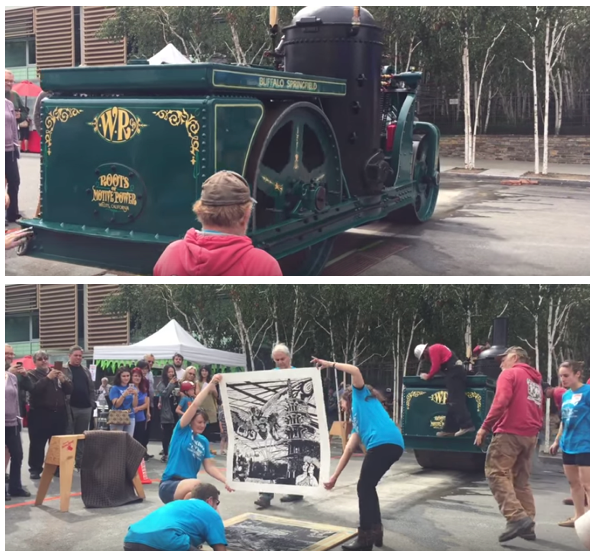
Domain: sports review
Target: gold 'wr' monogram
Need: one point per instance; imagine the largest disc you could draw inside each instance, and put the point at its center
(440, 397)
(117, 125)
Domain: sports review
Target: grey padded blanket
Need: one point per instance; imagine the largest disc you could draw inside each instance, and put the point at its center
(110, 462)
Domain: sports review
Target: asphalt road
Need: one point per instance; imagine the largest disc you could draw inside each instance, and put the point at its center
(422, 510)
(481, 228)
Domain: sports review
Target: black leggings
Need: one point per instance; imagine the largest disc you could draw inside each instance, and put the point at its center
(168, 431)
(12, 440)
(376, 463)
(11, 174)
(139, 435)
(457, 416)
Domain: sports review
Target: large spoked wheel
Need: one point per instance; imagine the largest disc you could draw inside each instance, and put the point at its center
(426, 188)
(295, 168)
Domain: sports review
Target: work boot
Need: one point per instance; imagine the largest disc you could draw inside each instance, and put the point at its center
(378, 535)
(263, 503)
(364, 541)
(443, 434)
(291, 498)
(529, 536)
(516, 528)
(463, 432)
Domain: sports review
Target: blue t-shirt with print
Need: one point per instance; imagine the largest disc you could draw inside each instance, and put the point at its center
(140, 415)
(185, 402)
(178, 526)
(372, 422)
(186, 454)
(576, 418)
(115, 392)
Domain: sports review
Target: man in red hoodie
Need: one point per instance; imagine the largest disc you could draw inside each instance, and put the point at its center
(515, 419)
(222, 247)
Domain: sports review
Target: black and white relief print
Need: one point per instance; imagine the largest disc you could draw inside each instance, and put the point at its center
(279, 443)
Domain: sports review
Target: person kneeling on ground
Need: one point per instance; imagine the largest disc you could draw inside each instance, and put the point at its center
(222, 248)
(181, 525)
(188, 450)
(383, 441)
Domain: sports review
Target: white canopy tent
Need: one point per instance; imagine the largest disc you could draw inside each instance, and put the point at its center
(171, 339)
(169, 55)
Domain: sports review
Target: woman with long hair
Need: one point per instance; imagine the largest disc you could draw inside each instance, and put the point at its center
(383, 441)
(142, 412)
(191, 375)
(124, 396)
(166, 390)
(574, 437)
(189, 451)
(210, 403)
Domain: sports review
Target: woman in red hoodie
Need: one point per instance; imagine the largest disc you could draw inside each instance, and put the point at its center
(515, 419)
(222, 248)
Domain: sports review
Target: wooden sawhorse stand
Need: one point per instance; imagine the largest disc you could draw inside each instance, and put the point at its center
(61, 454)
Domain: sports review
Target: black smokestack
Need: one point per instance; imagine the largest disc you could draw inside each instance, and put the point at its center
(500, 332)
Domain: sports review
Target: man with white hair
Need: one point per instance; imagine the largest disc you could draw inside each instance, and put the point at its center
(458, 419)
(282, 358)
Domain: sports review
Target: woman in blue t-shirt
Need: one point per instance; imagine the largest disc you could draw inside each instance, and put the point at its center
(189, 450)
(574, 436)
(124, 396)
(383, 441)
(142, 412)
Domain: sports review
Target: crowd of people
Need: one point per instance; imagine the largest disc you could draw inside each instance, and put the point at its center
(61, 400)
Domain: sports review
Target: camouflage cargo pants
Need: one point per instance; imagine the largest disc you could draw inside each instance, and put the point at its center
(508, 469)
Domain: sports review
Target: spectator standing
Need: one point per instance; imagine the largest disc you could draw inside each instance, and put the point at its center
(143, 365)
(515, 418)
(11, 157)
(167, 405)
(15, 378)
(190, 375)
(82, 399)
(178, 365)
(222, 247)
(574, 437)
(103, 392)
(124, 397)
(48, 412)
(210, 403)
(142, 412)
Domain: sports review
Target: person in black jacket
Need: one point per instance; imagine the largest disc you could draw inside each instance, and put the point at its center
(48, 409)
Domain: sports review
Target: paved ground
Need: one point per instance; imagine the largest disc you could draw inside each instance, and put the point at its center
(422, 510)
(481, 228)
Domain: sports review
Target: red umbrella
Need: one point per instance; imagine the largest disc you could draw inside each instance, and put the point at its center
(27, 362)
(27, 89)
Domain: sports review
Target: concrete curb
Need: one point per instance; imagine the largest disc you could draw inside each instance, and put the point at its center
(542, 181)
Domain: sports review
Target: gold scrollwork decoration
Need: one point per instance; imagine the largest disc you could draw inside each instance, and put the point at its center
(182, 118)
(278, 187)
(475, 396)
(411, 395)
(58, 115)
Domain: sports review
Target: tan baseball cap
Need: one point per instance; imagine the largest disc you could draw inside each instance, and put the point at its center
(225, 189)
(518, 351)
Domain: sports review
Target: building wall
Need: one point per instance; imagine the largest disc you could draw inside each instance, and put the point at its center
(55, 317)
(38, 38)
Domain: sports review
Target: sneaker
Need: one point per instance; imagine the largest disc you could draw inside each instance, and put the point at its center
(149, 456)
(443, 434)
(35, 475)
(530, 535)
(463, 432)
(516, 528)
(161, 453)
(164, 459)
(263, 503)
(21, 492)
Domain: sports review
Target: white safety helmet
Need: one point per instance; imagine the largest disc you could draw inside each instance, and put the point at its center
(419, 350)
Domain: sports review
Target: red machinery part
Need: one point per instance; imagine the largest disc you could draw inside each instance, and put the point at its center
(390, 136)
